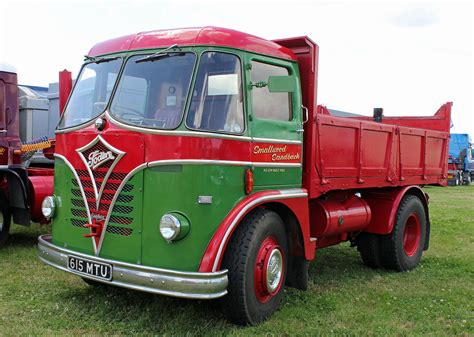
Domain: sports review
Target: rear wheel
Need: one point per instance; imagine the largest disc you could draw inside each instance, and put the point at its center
(5, 218)
(256, 259)
(402, 248)
(368, 245)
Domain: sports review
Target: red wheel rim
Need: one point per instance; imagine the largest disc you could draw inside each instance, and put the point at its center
(411, 235)
(269, 270)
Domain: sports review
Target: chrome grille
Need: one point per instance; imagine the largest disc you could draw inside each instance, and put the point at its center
(119, 223)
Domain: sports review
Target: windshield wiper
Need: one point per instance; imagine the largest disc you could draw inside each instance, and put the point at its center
(162, 53)
(100, 59)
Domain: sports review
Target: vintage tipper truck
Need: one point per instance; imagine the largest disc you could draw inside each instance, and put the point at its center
(196, 163)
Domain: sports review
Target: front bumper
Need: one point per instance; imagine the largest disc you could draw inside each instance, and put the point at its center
(148, 279)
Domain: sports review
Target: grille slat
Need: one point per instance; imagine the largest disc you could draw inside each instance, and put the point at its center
(119, 230)
(125, 198)
(77, 203)
(122, 209)
(79, 213)
(78, 223)
(108, 186)
(120, 220)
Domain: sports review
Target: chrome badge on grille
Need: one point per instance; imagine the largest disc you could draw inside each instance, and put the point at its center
(97, 158)
(100, 158)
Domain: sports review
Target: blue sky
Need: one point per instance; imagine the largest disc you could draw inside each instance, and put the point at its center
(407, 57)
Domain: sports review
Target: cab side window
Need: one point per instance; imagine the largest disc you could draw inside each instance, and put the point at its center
(266, 104)
(216, 103)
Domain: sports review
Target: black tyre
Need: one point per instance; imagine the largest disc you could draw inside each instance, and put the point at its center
(256, 259)
(368, 245)
(402, 248)
(5, 218)
(468, 180)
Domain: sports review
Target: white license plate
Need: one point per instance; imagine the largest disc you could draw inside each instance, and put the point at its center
(87, 267)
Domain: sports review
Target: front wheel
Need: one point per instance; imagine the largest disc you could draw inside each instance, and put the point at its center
(256, 259)
(5, 218)
(403, 247)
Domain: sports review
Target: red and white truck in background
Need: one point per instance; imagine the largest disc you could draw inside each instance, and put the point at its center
(23, 184)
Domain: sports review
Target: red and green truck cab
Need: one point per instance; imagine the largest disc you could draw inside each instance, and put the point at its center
(195, 163)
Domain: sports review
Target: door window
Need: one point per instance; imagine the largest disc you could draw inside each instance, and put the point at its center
(266, 104)
(216, 103)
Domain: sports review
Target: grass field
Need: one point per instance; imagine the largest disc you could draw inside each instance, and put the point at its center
(344, 298)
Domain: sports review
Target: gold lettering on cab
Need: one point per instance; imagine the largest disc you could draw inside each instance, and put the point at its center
(278, 153)
(269, 149)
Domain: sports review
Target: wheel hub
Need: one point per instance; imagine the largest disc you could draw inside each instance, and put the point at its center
(411, 235)
(274, 269)
(269, 270)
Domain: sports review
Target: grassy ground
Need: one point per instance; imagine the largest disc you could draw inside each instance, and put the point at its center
(345, 297)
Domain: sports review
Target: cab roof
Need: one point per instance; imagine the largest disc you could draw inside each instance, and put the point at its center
(202, 36)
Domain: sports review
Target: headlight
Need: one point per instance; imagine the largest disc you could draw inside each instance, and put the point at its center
(170, 227)
(48, 207)
(174, 226)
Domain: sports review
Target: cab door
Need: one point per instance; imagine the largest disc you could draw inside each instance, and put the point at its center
(275, 124)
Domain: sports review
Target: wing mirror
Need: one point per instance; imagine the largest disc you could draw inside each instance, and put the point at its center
(281, 84)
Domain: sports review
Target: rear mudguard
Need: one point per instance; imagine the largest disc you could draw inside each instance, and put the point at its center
(384, 204)
(17, 193)
(25, 193)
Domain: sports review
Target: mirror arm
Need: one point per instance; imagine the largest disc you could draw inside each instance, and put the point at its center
(261, 84)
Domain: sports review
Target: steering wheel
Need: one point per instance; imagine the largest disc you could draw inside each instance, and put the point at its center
(128, 111)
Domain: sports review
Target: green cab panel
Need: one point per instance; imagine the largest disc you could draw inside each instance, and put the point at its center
(123, 235)
(71, 215)
(133, 235)
(122, 240)
(177, 188)
(266, 178)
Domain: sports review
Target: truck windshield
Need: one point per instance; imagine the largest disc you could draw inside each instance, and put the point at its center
(153, 93)
(91, 92)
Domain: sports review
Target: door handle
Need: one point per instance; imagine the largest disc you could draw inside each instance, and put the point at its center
(299, 130)
(305, 113)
